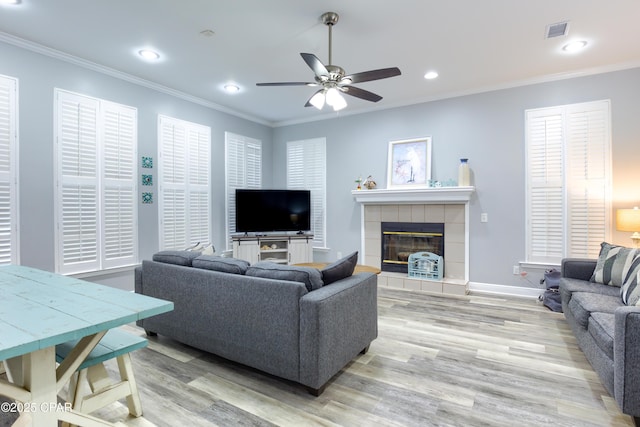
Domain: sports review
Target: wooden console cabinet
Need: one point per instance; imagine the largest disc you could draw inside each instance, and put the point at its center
(283, 249)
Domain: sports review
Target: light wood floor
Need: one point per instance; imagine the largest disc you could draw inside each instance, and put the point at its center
(438, 361)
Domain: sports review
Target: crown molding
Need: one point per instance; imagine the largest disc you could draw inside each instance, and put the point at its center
(112, 72)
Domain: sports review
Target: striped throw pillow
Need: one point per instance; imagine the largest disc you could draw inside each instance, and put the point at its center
(630, 291)
(614, 263)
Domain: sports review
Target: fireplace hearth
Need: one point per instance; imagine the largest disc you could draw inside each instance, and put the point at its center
(401, 239)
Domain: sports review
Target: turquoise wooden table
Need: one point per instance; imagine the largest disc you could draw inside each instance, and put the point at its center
(39, 310)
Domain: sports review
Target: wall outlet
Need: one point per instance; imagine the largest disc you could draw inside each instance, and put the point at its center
(339, 255)
(484, 217)
(516, 270)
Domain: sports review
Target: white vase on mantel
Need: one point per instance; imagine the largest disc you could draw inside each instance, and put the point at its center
(464, 179)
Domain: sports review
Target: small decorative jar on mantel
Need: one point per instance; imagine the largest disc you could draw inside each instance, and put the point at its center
(464, 179)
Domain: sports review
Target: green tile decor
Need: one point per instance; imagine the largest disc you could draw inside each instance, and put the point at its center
(147, 162)
(147, 198)
(147, 179)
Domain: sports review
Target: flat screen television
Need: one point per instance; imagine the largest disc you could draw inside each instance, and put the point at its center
(262, 211)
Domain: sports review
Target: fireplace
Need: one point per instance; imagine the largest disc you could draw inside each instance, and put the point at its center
(401, 239)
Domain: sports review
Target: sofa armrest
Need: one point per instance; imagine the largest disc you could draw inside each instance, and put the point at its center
(626, 359)
(337, 322)
(578, 268)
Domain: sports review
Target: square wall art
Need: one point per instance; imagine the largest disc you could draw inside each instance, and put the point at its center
(147, 198)
(147, 162)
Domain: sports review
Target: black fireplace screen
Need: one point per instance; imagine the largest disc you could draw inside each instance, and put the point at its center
(401, 239)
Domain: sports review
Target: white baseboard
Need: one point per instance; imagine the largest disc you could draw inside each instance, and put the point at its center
(515, 291)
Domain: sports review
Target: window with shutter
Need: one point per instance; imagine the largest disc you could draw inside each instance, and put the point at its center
(306, 170)
(96, 212)
(243, 169)
(184, 183)
(9, 253)
(568, 181)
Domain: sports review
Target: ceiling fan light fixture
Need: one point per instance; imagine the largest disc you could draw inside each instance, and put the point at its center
(318, 99)
(335, 99)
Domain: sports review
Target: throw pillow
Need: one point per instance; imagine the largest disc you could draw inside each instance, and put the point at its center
(630, 291)
(340, 269)
(218, 263)
(311, 277)
(613, 264)
(176, 257)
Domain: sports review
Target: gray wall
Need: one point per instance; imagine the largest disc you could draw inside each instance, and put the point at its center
(38, 76)
(488, 128)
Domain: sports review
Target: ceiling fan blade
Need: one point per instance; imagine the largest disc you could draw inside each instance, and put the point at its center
(361, 93)
(367, 76)
(288, 84)
(315, 64)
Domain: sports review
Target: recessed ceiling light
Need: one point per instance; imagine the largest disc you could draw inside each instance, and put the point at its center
(232, 87)
(431, 75)
(149, 54)
(574, 46)
(9, 1)
(207, 33)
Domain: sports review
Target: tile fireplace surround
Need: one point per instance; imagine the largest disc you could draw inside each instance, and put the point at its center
(448, 205)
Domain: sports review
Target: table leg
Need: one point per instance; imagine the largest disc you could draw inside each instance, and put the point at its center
(39, 377)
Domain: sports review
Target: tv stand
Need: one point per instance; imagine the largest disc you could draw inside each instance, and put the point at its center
(282, 248)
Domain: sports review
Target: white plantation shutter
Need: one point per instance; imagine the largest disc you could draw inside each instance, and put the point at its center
(243, 169)
(306, 170)
(199, 207)
(588, 178)
(8, 171)
(96, 211)
(119, 188)
(545, 185)
(568, 181)
(78, 221)
(184, 177)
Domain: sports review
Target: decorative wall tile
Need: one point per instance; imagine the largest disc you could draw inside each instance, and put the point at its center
(147, 162)
(147, 179)
(147, 198)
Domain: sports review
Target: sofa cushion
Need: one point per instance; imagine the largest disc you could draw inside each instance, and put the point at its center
(184, 258)
(630, 291)
(577, 285)
(311, 277)
(218, 263)
(601, 328)
(613, 264)
(340, 269)
(582, 304)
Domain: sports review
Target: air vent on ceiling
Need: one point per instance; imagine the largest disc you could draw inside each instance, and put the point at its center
(557, 30)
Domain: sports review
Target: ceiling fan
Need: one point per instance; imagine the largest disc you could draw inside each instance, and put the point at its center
(333, 80)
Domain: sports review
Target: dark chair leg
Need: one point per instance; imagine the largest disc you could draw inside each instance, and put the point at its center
(364, 350)
(150, 333)
(636, 421)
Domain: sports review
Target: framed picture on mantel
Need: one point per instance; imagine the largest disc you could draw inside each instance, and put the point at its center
(409, 163)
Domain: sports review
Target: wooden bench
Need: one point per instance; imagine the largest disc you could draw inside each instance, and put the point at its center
(104, 391)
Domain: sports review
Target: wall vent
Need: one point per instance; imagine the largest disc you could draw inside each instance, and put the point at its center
(557, 30)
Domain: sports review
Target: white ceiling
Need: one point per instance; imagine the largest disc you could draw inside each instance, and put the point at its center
(474, 45)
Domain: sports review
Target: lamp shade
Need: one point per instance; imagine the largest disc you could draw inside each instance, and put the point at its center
(628, 219)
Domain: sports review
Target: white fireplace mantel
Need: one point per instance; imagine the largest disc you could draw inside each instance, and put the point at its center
(437, 202)
(439, 195)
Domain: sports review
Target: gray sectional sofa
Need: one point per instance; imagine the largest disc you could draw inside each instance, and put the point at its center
(297, 323)
(606, 322)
